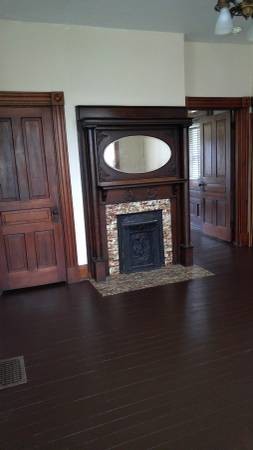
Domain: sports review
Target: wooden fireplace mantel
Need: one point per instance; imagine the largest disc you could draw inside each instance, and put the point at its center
(103, 186)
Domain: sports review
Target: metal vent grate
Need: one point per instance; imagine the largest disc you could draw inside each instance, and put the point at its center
(12, 372)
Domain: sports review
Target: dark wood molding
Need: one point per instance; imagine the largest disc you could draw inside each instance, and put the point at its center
(31, 98)
(251, 175)
(186, 248)
(242, 163)
(217, 102)
(241, 107)
(105, 137)
(99, 126)
(129, 113)
(78, 273)
(143, 182)
(54, 100)
(65, 186)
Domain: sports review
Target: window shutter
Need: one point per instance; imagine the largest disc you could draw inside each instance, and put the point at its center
(194, 149)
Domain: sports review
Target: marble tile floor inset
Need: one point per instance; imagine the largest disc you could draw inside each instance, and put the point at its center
(117, 284)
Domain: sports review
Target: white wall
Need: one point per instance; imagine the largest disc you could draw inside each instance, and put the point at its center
(217, 70)
(117, 67)
(92, 66)
(251, 68)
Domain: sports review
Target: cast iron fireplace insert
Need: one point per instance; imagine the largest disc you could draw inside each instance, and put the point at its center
(141, 245)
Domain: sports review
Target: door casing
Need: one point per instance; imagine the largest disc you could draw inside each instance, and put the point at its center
(55, 100)
(241, 107)
(211, 195)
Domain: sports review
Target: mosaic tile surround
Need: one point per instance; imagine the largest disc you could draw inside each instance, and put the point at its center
(118, 284)
(112, 211)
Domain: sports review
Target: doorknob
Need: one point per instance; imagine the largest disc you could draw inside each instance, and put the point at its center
(202, 186)
(55, 214)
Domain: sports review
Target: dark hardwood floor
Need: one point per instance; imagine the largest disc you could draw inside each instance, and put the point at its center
(168, 368)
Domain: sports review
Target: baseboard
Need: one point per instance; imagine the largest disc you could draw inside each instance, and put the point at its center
(243, 240)
(77, 274)
(186, 256)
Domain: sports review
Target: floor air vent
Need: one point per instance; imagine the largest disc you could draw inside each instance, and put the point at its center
(12, 372)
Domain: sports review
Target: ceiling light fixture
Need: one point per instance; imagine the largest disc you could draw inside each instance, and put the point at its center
(228, 9)
(236, 30)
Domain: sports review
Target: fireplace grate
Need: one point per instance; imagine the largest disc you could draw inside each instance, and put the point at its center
(12, 372)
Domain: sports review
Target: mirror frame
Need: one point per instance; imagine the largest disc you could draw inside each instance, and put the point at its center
(107, 174)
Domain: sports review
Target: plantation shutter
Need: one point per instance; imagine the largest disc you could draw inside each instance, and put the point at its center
(194, 149)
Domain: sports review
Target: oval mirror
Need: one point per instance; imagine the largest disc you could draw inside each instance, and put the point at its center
(137, 154)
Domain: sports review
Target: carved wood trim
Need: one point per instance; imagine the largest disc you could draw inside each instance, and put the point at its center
(92, 122)
(217, 102)
(55, 100)
(241, 106)
(107, 174)
(65, 185)
(31, 98)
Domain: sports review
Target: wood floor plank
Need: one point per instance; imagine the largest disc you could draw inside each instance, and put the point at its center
(166, 368)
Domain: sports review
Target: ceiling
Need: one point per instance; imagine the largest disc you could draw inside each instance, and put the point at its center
(195, 18)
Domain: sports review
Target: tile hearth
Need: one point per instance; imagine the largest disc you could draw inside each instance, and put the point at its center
(117, 284)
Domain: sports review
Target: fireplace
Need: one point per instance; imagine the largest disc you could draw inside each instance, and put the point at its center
(135, 167)
(140, 239)
(127, 219)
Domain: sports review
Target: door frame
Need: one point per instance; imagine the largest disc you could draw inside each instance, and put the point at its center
(55, 100)
(241, 107)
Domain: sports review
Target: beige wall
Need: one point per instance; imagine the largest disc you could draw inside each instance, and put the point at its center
(217, 70)
(92, 66)
(103, 66)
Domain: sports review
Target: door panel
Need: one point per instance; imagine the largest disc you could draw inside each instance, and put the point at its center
(36, 159)
(31, 238)
(213, 188)
(220, 147)
(195, 210)
(207, 149)
(45, 248)
(8, 173)
(26, 216)
(221, 213)
(15, 247)
(208, 211)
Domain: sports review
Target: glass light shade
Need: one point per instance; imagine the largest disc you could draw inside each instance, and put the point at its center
(224, 24)
(250, 33)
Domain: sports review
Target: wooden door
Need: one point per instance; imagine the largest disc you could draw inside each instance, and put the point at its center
(31, 237)
(210, 193)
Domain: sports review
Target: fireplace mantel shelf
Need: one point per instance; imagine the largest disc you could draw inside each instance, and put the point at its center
(137, 183)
